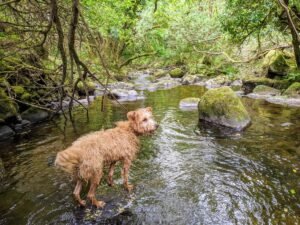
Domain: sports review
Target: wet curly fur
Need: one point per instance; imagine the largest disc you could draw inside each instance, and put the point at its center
(85, 158)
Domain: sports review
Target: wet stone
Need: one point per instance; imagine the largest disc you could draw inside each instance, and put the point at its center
(6, 132)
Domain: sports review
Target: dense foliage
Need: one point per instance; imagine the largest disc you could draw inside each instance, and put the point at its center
(62, 45)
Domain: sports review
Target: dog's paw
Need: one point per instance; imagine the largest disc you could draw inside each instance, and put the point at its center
(99, 204)
(110, 183)
(82, 203)
(129, 187)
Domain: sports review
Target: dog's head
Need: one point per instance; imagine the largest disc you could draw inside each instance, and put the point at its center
(142, 121)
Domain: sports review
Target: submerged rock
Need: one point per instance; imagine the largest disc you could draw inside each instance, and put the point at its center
(222, 106)
(35, 115)
(6, 132)
(176, 73)
(293, 90)
(284, 100)
(189, 103)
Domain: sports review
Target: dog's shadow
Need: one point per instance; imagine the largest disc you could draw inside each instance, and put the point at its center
(116, 210)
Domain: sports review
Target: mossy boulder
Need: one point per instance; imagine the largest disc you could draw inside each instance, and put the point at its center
(266, 90)
(91, 86)
(293, 90)
(176, 73)
(8, 108)
(35, 115)
(222, 106)
(249, 83)
(277, 63)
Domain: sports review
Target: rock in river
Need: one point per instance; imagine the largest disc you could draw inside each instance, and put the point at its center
(188, 103)
(190, 79)
(222, 106)
(35, 115)
(6, 132)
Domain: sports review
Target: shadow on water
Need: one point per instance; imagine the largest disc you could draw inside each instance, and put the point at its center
(186, 173)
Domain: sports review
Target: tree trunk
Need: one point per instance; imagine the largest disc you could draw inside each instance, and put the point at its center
(294, 32)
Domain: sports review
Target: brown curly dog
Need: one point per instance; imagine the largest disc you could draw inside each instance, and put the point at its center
(85, 158)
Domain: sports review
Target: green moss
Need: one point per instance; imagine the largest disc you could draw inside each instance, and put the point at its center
(26, 96)
(176, 73)
(279, 84)
(293, 90)
(221, 105)
(8, 108)
(19, 90)
(276, 62)
(3, 82)
(90, 85)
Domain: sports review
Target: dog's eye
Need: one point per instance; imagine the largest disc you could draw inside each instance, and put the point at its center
(145, 120)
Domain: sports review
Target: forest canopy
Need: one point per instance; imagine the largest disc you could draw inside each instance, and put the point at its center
(55, 48)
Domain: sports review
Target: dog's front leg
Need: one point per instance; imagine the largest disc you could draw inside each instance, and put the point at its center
(125, 172)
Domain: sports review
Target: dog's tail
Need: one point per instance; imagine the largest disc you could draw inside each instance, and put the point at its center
(68, 160)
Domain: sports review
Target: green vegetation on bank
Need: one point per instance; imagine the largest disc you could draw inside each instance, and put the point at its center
(50, 51)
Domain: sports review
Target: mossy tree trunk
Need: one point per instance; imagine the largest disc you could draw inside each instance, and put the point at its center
(294, 31)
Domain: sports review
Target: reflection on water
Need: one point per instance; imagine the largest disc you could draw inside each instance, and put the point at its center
(184, 174)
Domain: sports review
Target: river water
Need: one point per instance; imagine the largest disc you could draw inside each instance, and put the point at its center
(186, 173)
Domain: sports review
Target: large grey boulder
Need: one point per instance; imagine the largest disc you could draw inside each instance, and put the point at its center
(222, 106)
(35, 115)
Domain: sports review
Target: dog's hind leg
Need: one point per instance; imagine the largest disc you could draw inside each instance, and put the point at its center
(95, 180)
(111, 173)
(77, 191)
(125, 171)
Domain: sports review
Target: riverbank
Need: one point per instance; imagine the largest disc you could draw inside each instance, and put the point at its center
(137, 83)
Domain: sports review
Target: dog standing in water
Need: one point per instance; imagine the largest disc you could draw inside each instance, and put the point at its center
(85, 158)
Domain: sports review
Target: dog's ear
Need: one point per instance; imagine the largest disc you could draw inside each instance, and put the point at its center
(149, 109)
(131, 115)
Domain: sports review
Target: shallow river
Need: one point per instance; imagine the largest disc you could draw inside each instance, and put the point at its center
(186, 173)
